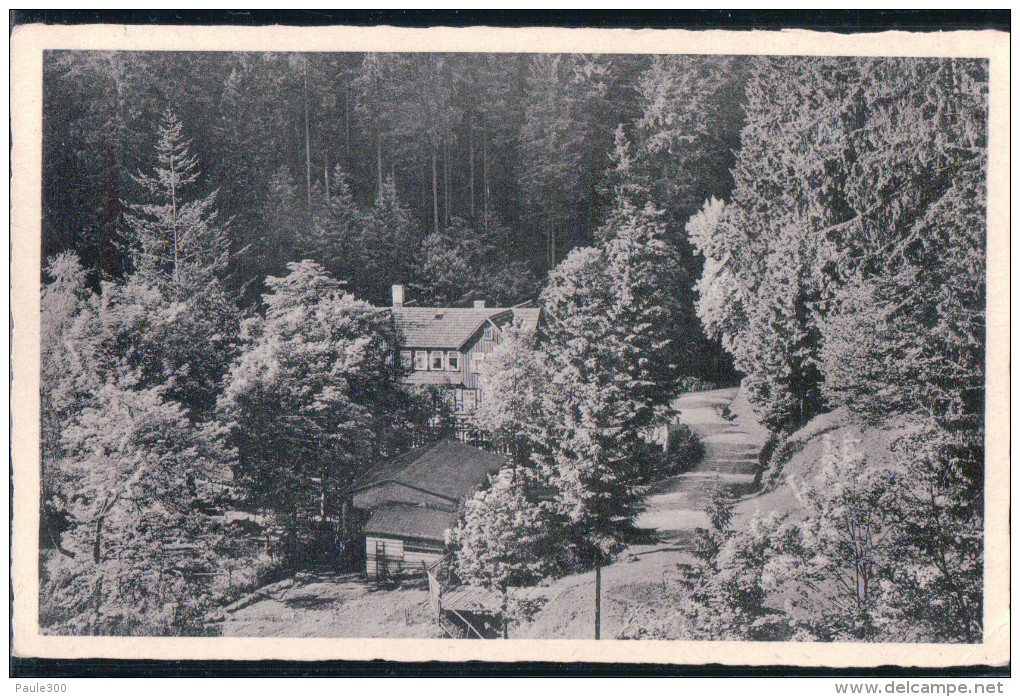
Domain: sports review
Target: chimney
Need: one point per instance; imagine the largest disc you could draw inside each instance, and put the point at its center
(398, 296)
(479, 304)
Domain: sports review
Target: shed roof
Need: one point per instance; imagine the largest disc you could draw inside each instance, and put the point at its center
(449, 469)
(414, 522)
(451, 327)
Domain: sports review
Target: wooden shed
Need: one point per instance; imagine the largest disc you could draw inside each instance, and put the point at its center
(408, 503)
(399, 536)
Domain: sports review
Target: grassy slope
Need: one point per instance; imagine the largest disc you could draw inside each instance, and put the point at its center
(808, 447)
(639, 576)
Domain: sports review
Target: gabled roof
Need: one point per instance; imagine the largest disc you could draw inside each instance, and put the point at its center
(451, 327)
(449, 469)
(416, 522)
(528, 317)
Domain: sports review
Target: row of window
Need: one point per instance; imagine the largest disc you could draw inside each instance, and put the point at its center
(431, 360)
(435, 360)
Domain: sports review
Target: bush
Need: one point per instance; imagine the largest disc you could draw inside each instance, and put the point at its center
(684, 450)
(270, 571)
(691, 383)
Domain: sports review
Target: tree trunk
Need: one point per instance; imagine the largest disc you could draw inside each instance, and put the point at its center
(378, 164)
(485, 175)
(347, 124)
(598, 596)
(325, 176)
(471, 163)
(97, 591)
(435, 195)
(308, 145)
(173, 207)
(446, 184)
(503, 614)
(98, 545)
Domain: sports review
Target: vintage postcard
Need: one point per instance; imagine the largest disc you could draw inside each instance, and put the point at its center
(649, 346)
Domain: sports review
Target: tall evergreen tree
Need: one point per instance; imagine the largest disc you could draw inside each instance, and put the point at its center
(177, 239)
(174, 320)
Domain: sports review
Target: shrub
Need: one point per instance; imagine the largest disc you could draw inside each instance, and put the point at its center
(684, 449)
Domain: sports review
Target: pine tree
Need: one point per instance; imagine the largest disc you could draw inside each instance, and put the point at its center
(172, 318)
(334, 237)
(770, 239)
(652, 323)
(175, 239)
(73, 367)
(592, 452)
(388, 235)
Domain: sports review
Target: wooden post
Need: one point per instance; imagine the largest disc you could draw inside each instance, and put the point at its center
(598, 596)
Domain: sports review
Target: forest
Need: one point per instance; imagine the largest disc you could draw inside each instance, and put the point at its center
(220, 229)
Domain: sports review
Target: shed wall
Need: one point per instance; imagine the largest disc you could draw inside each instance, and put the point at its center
(398, 554)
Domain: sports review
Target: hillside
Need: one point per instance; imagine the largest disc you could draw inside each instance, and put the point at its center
(797, 456)
(645, 574)
(638, 587)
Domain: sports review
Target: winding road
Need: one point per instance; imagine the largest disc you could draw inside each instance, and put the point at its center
(676, 507)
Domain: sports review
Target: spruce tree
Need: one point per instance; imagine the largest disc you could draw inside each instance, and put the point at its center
(179, 251)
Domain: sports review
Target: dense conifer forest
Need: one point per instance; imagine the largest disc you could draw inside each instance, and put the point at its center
(220, 231)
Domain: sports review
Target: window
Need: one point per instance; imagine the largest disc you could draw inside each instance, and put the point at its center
(458, 400)
(489, 333)
(469, 400)
(437, 360)
(421, 360)
(453, 360)
(405, 359)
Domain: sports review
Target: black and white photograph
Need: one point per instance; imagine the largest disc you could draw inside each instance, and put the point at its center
(515, 345)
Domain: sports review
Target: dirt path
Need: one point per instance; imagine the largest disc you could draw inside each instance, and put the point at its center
(677, 506)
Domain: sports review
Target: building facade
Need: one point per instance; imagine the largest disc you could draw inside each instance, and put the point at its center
(445, 347)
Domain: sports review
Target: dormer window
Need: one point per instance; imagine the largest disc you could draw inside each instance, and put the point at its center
(421, 360)
(437, 360)
(453, 361)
